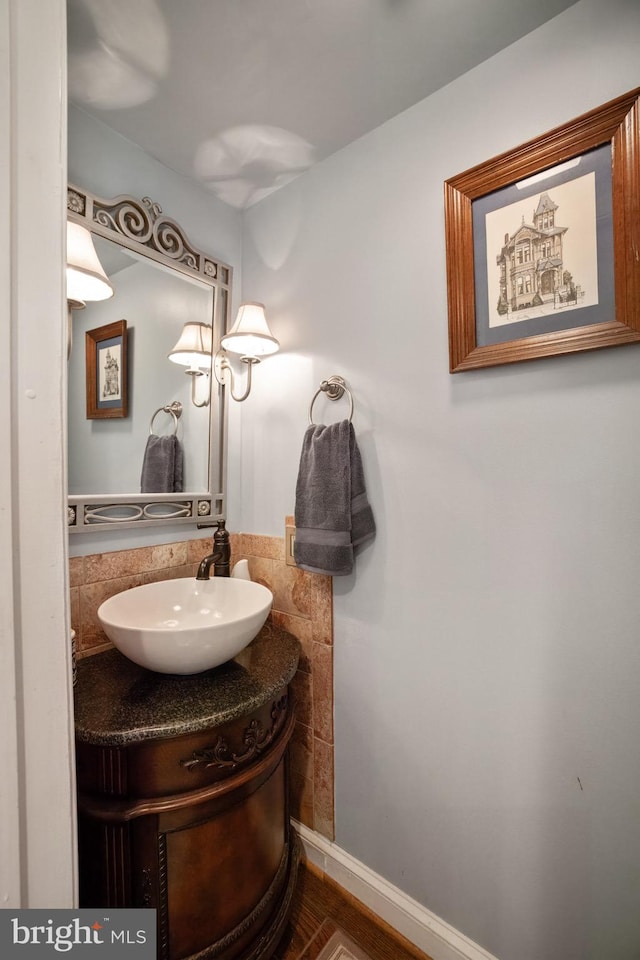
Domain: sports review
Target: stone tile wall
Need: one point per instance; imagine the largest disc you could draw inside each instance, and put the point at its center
(303, 605)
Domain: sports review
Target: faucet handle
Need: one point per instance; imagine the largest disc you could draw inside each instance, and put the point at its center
(220, 524)
(221, 539)
(221, 536)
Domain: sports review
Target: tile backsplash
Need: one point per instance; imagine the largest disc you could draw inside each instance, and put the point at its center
(303, 605)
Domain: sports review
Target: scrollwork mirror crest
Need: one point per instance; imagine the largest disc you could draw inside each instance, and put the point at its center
(138, 232)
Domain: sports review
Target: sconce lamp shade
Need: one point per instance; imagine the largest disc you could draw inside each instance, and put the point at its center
(86, 279)
(194, 348)
(250, 335)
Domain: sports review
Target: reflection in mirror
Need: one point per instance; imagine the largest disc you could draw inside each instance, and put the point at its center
(160, 283)
(105, 456)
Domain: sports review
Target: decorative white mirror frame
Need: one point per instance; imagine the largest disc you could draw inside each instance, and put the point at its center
(140, 226)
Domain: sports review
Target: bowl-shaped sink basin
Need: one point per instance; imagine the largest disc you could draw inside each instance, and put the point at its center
(187, 625)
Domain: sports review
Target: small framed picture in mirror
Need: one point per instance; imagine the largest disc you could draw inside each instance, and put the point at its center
(106, 359)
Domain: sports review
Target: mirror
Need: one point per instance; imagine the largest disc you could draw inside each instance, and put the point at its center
(161, 282)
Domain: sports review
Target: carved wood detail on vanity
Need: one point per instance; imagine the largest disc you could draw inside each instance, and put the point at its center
(161, 902)
(255, 739)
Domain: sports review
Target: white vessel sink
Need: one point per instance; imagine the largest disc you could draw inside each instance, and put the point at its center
(187, 625)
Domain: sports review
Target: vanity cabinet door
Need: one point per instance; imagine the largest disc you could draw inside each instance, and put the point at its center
(226, 862)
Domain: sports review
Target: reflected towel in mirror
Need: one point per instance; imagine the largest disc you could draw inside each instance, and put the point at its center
(162, 465)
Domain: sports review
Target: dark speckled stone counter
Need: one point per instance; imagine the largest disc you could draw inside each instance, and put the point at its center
(117, 702)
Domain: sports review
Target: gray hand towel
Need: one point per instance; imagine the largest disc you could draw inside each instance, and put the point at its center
(162, 465)
(332, 512)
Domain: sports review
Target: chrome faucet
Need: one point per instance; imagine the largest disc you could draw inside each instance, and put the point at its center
(220, 558)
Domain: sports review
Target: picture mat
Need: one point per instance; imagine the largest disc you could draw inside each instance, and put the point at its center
(499, 213)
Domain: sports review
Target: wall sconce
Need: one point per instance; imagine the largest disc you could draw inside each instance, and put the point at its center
(86, 279)
(251, 338)
(194, 351)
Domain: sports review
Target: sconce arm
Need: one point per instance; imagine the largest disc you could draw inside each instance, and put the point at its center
(71, 306)
(194, 374)
(222, 368)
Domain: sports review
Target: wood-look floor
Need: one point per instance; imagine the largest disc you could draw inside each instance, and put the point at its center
(317, 899)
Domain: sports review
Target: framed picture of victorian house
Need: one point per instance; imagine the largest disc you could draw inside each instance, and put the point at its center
(543, 243)
(106, 371)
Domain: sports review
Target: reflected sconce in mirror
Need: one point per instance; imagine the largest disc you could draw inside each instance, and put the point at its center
(194, 351)
(251, 339)
(86, 278)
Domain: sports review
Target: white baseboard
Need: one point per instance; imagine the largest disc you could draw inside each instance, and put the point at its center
(428, 932)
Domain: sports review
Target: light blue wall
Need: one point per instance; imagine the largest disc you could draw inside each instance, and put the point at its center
(487, 662)
(105, 163)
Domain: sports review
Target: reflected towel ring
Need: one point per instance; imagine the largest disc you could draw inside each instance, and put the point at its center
(175, 409)
(334, 388)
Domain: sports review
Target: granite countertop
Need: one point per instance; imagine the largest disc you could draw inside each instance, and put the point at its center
(117, 702)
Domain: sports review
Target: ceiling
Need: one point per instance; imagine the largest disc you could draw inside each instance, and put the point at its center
(244, 95)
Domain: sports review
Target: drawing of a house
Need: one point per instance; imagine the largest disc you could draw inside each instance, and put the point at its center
(531, 262)
(111, 376)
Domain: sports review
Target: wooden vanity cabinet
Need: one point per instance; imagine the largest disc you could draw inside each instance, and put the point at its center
(197, 826)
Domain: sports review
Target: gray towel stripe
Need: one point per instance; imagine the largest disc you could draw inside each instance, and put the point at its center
(328, 538)
(359, 502)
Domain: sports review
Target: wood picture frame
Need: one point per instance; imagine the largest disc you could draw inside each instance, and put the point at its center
(106, 371)
(504, 308)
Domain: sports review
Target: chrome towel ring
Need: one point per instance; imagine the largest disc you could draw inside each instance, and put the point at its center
(334, 388)
(174, 409)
